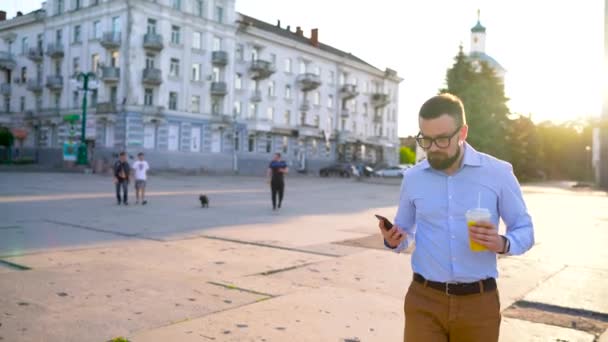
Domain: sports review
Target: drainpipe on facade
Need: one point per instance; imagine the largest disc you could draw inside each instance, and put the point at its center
(127, 73)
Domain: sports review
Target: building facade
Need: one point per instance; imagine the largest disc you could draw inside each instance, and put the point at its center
(193, 84)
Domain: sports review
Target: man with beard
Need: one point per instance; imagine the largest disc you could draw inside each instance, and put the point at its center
(453, 295)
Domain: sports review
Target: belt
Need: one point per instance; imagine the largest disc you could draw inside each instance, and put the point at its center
(458, 289)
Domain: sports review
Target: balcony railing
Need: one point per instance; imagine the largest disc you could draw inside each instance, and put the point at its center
(110, 74)
(35, 54)
(152, 76)
(7, 60)
(5, 89)
(348, 91)
(261, 69)
(110, 40)
(219, 88)
(219, 58)
(54, 82)
(55, 50)
(380, 99)
(308, 81)
(305, 106)
(256, 96)
(34, 86)
(153, 41)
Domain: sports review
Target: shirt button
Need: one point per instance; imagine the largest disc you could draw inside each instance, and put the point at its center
(453, 236)
(450, 197)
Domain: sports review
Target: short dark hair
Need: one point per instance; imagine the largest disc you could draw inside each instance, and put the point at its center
(445, 103)
(278, 154)
(140, 154)
(123, 153)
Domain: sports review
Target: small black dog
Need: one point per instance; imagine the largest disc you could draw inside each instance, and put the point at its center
(204, 201)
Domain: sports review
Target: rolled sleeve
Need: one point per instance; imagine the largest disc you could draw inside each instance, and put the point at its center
(405, 218)
(520, 230)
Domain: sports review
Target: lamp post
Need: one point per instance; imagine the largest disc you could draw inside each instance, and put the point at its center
(589, 166)
(83, 158)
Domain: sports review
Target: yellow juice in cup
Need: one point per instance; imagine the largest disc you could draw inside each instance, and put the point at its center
(473, 216)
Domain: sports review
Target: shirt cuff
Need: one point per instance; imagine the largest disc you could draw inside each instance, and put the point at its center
(402, 246)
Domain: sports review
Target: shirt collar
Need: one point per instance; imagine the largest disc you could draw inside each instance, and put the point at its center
(471, 157)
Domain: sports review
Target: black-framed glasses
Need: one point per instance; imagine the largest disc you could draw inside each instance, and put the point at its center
(441, 142)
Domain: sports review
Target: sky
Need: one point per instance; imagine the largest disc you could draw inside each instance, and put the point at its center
(552, 49)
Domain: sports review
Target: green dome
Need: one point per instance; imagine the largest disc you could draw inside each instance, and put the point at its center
(478, 28)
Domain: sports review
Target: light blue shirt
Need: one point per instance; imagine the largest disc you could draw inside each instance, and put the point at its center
(432, 210)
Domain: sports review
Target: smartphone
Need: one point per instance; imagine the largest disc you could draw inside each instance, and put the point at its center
(387, 224)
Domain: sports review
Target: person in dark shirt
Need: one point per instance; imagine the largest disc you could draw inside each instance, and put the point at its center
(276, 171)
(122, 171)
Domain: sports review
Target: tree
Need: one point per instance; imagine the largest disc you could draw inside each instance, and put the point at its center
(6, 140)
(407, 156)
(483, 96)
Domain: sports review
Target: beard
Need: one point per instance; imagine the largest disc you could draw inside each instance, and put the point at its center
(440, 160)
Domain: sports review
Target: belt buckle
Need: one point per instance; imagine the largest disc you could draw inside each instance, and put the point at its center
(447, 288)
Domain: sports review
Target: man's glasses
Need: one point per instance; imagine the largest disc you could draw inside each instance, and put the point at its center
(441, 142)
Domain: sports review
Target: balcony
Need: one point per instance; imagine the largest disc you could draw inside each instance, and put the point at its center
(378, 119)
(110, 74)
(308, 131)
(308, 81)
(346, 137)
(106, 108)
(380, 99)
(7, 61)
(219, 88)
(256, 96)
(259, 125)
(55, 50)
(219, 58)
(34, 86)
(152, 76)
(153, 41)
(305, 106)
(54, 83)
(261, 69)
(5, 89)
(35, 54)
(344, 112)
(348, 91)
(110, 40)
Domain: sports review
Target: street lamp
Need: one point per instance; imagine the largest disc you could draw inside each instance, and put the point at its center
(589, 172)
(83, 158)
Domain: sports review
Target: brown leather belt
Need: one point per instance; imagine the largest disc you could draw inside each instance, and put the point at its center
(458, 289)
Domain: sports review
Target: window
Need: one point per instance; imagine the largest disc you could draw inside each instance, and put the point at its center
(76, 65)
(22, 104)
(288, 65)
(317, 71)
(303, 118)
(285, 145)
(268, 143)
(77, 34)
(195, 104)
(364, 108)
(94, 2)
(317, 98)
(96, 30)
(271, 88)
(174, 68)
(219, 14)
(251, 143)
(287, 117)
(330, 101)
(151, 28)
(93, 97)
(24, 45)
(148, 97)
(115, 59)
(7, 104)
(237, 141)
(196, 72)
(198, 9)
(317, 120)
(270, 113)
(177, 4)
(114, 95)
(302, 67)
(288, 91)
(94, 62)
(173, 100)
(253, 110)
(57, 68)
(57, 101)
(273, 58)
(59, 8)
(216, 106)
(342, 78)
(175, 33)
(149, 61)
(58, 36)
(238, 81)
(216, 74)
(196, 40)
(116, 25)
(240, 53)
(23, 74)
(365, 87)
(255, 54)
(77, 4)
(236, 109)
(75, 99)
(217, 44)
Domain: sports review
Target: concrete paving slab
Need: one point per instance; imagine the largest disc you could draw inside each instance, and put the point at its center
(515, 330)
(325, 314)
(603, 337)
(98, 301)
(575, 287)
(519, 276)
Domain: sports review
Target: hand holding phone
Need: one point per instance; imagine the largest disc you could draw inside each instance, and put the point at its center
(387, 224)
(392, 236)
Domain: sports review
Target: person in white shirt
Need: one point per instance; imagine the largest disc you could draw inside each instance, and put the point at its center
(140, 168)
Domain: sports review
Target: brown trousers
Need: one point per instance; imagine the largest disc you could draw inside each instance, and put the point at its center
(433, 316)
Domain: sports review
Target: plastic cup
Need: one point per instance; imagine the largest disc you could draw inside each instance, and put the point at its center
(473, 216)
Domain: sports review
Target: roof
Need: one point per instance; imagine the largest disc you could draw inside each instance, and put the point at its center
(301, 39)
(481, 56)
(478, 28)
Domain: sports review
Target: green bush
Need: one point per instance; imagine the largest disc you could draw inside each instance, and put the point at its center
(407, 156)
(6, 137)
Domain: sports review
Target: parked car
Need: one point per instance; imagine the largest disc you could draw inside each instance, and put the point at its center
(340, 169)
(364, 169)
(391, 171)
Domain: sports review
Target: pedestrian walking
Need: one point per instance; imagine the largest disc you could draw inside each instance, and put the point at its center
(276, 178)
(140, 169)
(450, 206)
(122, 171)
